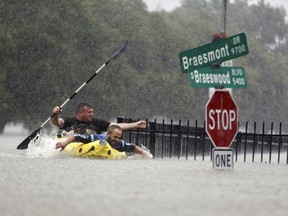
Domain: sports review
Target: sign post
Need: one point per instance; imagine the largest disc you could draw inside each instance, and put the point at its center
(222, 127)
(205, 69)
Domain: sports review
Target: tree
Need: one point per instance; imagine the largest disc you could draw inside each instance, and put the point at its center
(42, 44)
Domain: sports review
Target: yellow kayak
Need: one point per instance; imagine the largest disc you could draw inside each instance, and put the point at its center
(96, 149)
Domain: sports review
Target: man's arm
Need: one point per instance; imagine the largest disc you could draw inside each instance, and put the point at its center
(144, 154)
(56, 120)
(133, 125)
(63, 144)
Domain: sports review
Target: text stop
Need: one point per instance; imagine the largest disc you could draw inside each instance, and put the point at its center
(221, 119)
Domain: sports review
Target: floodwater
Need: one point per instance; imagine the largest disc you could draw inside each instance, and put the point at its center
(42, 181)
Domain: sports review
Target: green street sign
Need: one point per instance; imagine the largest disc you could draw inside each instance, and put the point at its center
(219, 51)
(228, 77)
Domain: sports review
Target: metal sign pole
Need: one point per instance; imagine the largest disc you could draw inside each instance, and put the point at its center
(224, 13)
(223, 30)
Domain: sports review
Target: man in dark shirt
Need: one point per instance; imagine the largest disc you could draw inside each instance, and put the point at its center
(85, 121)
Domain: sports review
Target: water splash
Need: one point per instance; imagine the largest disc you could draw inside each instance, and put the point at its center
(42, 146)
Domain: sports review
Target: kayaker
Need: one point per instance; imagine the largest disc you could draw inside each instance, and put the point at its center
(113, 137)
(85, 116)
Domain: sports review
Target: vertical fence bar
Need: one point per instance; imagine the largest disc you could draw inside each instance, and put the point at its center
(146, 134)
(271, 140)
(137, 135)
(262, 144)
(254, 142)
(187, 139)
(152, 138)
(171, 131)
(162, 140)
(211, 148)
(195, 140)
(130, 133)
(287, 156)
(203, 140)
(280, 141)
(179, 139)
(245, 141)
(238, 140)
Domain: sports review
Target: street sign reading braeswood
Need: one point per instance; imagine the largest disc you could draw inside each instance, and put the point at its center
(228, 77)
(222, 50)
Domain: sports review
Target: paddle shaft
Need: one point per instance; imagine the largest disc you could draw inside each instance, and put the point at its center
(73, 95)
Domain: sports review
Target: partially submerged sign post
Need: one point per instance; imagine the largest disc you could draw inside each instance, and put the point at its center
(206, 55)
(221, 110)
(222, 127)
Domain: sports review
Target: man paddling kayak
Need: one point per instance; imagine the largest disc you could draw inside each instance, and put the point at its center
(85, 116)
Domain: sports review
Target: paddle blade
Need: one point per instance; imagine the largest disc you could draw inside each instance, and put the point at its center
(24, 144)
(118, 53)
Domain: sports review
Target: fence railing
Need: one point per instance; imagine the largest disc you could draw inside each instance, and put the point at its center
(190, 140)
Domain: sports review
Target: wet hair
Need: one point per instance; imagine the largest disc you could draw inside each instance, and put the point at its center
(113, 127)
(81, 106)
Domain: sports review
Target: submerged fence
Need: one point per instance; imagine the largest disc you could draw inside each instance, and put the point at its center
(173, 139)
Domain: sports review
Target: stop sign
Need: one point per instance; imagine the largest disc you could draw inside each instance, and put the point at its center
(221, 119)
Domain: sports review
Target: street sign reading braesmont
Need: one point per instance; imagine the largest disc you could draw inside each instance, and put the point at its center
(222, 50)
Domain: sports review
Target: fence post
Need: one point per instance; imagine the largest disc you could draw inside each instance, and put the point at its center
(152, 138)
(170, 138)
(280, 141)
(146, 134)
(262, 144)
(238, 143)
(195, 139)
(287, 156)
(163, 138)
(187, 139)
(203, 135)
(271, 139)
(254, 142)
(245, 142)
(179, 139)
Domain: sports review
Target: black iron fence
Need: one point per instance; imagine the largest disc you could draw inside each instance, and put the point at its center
(174, 139)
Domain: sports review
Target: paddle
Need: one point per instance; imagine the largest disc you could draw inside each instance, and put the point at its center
(24, 144)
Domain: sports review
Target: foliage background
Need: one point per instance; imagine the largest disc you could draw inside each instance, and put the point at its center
(48, 49)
